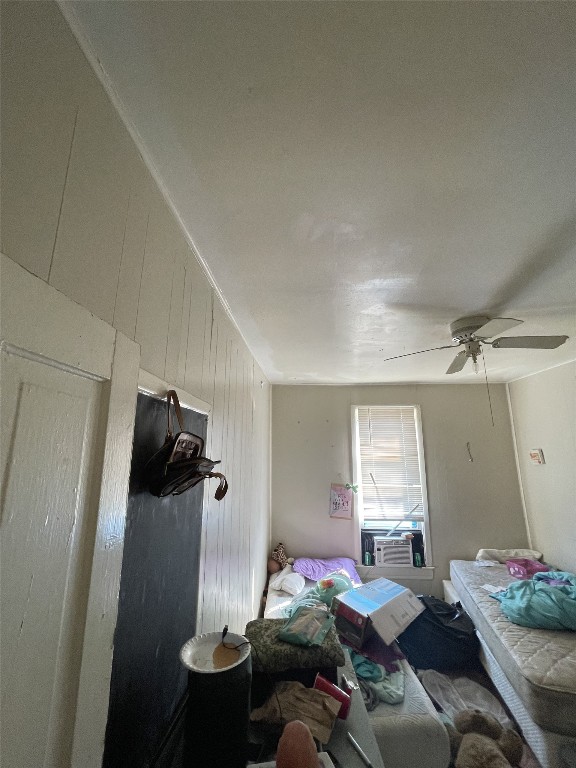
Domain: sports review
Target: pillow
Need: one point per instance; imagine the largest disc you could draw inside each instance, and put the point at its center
(288, 581)
(274, 655)
(316, 568)
(501, 555)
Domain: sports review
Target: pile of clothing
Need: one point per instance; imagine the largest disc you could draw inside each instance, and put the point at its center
(379, 673)
(546, 601)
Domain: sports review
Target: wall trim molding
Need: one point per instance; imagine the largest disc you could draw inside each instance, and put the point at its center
(152, 385)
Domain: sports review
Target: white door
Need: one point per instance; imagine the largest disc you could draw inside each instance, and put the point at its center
(67, 405)
(49, 447)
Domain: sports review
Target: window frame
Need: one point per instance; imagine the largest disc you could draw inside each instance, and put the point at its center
(357, 475)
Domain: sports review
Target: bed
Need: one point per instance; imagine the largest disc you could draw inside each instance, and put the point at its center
(533, 669)
(402, 730)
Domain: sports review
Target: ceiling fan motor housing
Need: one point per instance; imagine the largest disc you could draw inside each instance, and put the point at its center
(463, 330)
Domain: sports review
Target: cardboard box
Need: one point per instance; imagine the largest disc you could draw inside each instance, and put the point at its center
(380, 606)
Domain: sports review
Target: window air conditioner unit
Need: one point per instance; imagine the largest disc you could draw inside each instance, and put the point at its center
(392, 551)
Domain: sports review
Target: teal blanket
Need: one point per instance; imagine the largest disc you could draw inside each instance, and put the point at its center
(386, 686)
(536, 603)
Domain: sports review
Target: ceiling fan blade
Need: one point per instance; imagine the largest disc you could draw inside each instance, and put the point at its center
(432, 349)
(528, 342)
(495, 326)
(458, 363)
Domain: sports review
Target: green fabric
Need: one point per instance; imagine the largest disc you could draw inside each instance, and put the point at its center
(365, 668)
(535, 603)
(319, 595)
(386, 686)
(308, 599)
(391, 688)
(269, 654)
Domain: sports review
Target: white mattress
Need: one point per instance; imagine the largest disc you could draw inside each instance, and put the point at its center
(540, 664)
(413, 722)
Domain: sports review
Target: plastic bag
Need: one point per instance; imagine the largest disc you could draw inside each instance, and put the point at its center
(307, 626)
(462, 693)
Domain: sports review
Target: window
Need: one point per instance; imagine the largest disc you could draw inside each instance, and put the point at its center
(389, 470)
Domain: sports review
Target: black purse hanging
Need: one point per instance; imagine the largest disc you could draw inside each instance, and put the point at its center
(179, 464)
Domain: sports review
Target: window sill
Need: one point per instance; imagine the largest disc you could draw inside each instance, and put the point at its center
(407, 572)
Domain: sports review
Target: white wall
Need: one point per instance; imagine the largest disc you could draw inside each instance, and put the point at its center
(471, 504)
(544, 413)
(81, 211)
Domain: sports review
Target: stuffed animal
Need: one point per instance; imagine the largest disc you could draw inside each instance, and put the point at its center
(477, 740)
(279, 554)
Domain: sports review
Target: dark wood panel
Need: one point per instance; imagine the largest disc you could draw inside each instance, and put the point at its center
(158, 600)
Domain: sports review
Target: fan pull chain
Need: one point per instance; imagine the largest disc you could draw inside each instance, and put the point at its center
(488, 388)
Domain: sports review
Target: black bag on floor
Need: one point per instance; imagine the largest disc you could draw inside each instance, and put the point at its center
(442, 637)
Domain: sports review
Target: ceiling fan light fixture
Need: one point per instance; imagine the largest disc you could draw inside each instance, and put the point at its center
(473, 349)
(474, 331)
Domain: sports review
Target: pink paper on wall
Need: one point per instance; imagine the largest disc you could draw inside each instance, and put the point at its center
(340, 501)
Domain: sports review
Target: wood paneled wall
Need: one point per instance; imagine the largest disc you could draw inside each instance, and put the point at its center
(82, 212)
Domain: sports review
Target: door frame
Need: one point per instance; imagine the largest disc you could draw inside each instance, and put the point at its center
(149, 384)
(66, 335)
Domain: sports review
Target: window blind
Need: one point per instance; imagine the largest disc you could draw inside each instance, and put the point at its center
(389, 465)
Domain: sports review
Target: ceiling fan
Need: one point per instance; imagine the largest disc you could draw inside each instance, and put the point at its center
(472, 332)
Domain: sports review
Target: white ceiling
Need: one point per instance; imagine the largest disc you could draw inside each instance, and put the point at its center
(357, 175)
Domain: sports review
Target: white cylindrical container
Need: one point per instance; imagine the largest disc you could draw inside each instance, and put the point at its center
(218, 712)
